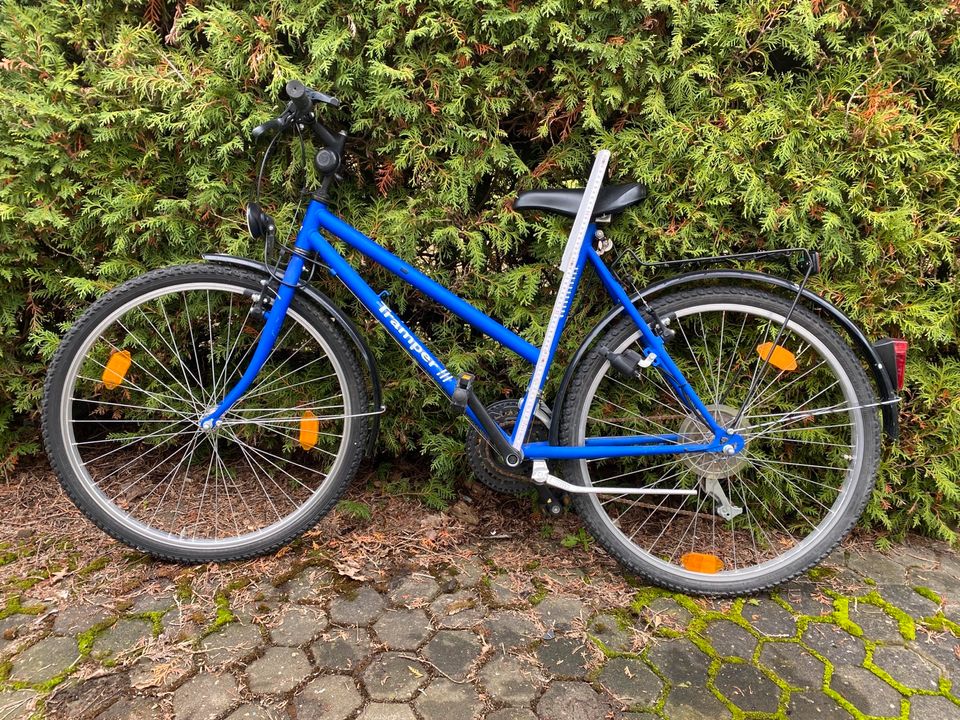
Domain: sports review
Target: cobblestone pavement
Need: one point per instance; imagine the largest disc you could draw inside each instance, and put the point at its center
(866, 635)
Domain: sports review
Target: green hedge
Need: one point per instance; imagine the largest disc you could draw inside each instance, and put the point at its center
(756, 124)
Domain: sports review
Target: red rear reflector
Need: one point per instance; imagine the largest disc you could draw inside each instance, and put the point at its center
(900, 355)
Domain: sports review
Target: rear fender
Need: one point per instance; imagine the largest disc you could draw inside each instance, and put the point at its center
(340, 319)
(881, 374)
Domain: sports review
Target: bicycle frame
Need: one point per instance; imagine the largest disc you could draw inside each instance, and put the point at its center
(310, 240)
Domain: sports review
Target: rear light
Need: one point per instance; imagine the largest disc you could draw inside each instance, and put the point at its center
(893, 355)
(900, 352)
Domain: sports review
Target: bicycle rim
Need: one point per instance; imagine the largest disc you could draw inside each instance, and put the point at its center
(788, 491)
(130, 423)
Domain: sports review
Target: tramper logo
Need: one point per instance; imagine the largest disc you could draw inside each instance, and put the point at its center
(440, 372)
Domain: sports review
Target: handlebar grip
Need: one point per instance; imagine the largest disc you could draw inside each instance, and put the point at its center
(297, 92)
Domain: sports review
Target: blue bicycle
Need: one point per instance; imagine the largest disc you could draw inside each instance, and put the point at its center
(715, 432)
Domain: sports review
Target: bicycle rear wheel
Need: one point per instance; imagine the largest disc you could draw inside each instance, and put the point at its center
(135, 374)
(754, 519)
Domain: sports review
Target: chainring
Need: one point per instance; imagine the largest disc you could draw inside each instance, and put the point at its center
(488, 467)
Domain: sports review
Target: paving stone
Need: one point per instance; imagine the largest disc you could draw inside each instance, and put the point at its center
(909, 600)
(564, 657)
(298, 625)
(875, 623)
(793, 663)
(631, 681)
(249, 711)
(563, 614)
(152, 604)
(815, 705)
(835, 644)
(163, 674)
(329, 697)
(391, 677)
(17, 704)
(121, 637)
(135, 708)
(279, 670)
(342, 649)
(940, 582)
(907, 668)
(205, 696)
(571, 701)
(413, 590)
(310, 586)
(445, 700)
(11, 628)
(865, 691)
(747, 688)
(508, 630)
(729, 639)
(942, 648)
(501, 594)
(80, 700)
(512, 714)
(468, 573)
(233, 643)
(877, 566)
(680, 661)
(45, 660)
(664, 611)
(694, 702)
(360, 608)
(805, 598)
(458, 610)
(403, 629)
(453, 652)
(76, 619)
(933, 707)
(769, 618)
(509, 682)
(611, 631)
(387, 711)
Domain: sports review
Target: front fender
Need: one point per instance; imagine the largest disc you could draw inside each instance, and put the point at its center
(340, 319)
(859, 341)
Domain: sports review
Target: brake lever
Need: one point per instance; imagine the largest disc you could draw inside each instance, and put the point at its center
(270, 127)
(317, 96)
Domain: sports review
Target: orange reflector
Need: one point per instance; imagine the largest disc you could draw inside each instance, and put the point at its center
(309, 430)
(778, 356)
(116, 369)
(701, 563)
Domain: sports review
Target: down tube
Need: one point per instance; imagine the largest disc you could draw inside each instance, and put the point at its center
(382, 312)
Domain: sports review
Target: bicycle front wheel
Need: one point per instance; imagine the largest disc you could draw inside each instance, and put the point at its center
(130, 382)
(712, 523)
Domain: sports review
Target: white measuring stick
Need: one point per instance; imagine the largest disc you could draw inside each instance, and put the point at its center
(568, 265)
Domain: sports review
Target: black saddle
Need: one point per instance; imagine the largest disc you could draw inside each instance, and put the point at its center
(612, 200)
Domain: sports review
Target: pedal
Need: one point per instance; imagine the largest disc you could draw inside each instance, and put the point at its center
(461, 395)
(550, 501)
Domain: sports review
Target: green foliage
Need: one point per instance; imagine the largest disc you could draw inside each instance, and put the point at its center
(824, 124)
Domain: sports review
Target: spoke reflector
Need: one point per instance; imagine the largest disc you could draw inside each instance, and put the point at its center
(701, 563)
(309, 430)
(116, 369)
(778, 356)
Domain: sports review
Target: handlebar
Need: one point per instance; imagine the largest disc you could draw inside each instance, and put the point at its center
(299, 110)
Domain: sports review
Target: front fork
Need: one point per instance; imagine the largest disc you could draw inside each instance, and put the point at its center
(273, 322)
